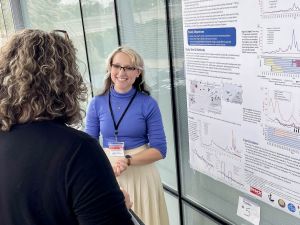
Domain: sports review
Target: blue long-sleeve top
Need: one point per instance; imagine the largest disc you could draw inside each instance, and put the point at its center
(142, 123)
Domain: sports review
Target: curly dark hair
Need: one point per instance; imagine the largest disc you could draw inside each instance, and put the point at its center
(39, 79)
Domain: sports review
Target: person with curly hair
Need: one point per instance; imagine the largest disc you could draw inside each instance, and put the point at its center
(130, 124)
(50, 173)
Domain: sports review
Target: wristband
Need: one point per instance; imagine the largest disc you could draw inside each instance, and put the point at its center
(128, 157)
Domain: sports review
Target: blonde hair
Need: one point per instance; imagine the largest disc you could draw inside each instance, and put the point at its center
(136, 61)
(39, 79)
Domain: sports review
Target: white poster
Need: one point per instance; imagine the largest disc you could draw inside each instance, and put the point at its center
(242, 62)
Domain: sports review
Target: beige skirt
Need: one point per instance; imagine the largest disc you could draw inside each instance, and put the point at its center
(144, 186)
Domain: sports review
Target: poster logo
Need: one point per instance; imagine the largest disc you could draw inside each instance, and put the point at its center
(281, 203)
(270, 197)
(256, 191)
(291, 207)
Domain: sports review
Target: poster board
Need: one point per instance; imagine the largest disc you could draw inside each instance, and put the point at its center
(242, 66)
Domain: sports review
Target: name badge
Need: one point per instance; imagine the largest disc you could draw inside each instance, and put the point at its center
(116, 149)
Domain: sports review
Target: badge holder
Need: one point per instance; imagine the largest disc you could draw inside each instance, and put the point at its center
(116, 149)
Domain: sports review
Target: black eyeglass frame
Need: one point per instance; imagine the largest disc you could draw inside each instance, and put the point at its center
(125, 68)
(64, 32)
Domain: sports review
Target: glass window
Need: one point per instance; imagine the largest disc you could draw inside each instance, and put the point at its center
(6, 20)
(143, 27)
(64, 15)
(2, 27)
(192, 217)
(101, 36)
(173, 208)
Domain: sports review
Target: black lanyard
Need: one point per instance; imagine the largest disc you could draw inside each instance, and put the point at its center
(116, 125)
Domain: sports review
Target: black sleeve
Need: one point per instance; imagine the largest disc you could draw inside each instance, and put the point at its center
(92, 190)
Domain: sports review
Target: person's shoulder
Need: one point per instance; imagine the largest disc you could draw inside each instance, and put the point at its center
(54, 129)
(98, 103)
(79, 135)
(148, 104)
(50, 133)
(98, 98)
(77, 139)
(146, 98)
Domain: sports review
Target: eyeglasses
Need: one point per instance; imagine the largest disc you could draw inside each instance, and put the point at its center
(118, 68)
(62, 31)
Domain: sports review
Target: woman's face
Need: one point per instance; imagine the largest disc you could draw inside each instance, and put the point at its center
(123, 73)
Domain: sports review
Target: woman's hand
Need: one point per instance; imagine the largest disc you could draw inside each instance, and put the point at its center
(120, 166)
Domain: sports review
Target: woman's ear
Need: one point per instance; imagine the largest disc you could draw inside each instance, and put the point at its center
(138, 74)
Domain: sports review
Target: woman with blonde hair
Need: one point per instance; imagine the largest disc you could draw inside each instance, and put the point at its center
(130, 123)
(50, 173)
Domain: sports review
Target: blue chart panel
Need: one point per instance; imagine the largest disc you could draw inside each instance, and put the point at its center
(283, 138)
(212, 37)
(283, 65)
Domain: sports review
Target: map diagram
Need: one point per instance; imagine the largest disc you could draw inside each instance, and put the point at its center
(207, 97)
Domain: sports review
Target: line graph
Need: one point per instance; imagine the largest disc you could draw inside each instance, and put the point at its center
(273, 36)
(280, 109)
(293, 8)
(208, 164)
(230, 149)
(217, 153)
(229, 173)
(280, 8)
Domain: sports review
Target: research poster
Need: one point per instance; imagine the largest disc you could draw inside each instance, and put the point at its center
(242, 66)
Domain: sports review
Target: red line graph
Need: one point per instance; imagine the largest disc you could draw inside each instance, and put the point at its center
(273, 106)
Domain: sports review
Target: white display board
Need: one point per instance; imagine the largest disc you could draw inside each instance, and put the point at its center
(242, 66)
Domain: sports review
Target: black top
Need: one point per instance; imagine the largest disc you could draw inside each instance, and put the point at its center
(51, 174)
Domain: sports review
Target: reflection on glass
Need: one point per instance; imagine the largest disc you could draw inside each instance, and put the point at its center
(193, 217)
(173, 209)
(143, 27)
(6, 20)
(101, 36)
(63, 15)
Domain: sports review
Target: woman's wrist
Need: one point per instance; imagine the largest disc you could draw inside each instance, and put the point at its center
(128, 157)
